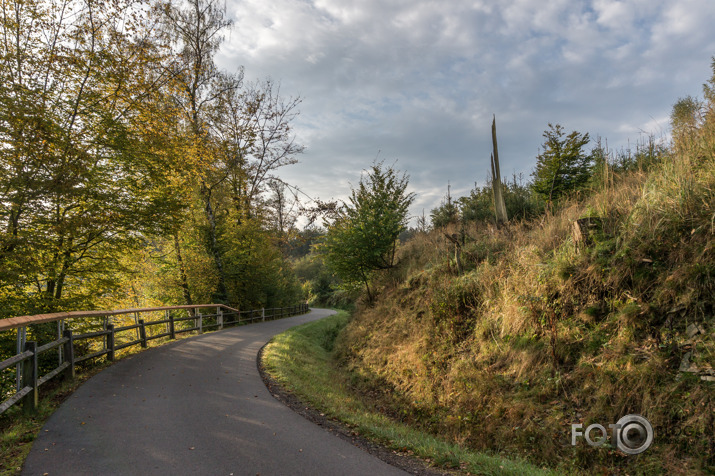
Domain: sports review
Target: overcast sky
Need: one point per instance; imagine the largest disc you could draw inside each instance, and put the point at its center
(417, 81)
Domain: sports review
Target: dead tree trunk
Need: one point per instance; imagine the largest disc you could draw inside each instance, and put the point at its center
(499, 206)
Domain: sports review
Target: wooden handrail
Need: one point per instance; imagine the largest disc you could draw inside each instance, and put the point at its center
(26, 362)
(21, 321)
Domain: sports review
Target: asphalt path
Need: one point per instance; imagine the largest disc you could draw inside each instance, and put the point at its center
(196, 406)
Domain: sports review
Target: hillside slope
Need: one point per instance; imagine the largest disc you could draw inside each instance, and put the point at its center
(538, 332)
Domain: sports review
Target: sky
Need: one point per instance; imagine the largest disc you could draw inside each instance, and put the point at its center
(416, 82)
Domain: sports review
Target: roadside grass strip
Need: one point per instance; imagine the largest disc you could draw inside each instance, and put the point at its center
(300, 359)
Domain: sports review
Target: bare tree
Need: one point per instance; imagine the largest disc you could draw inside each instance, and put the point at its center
(257, 133)
(282, 203)
(499, 206)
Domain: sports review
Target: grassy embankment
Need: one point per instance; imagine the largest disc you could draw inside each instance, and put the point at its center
(301, 359)
(539, 332)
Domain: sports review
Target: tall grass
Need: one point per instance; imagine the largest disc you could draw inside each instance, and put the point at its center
(538, 333)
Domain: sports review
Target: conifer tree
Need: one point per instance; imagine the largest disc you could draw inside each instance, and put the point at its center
(563, 166)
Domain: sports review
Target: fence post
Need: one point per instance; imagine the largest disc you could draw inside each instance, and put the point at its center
(21, 337)
(172, 329)
(263, 314)
(136, 321)
(110, 342)
(60, 329)
(201, 323)
(69, 353)
(142, 333)
(29, 378)
(219, 317)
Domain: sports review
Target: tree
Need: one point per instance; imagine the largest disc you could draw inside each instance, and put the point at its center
(562, 167)
(194, 28)
(446, 213)
(255, 128)
(237, 135)
(81, 176)
(499, 205)
(363, 239)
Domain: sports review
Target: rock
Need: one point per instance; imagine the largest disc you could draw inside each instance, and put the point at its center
(708, 378)
(692, 330)
(685, 363)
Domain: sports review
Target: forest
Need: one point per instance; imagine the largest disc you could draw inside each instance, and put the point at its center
(134, 171)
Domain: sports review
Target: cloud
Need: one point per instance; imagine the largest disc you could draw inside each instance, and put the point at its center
(419, 80)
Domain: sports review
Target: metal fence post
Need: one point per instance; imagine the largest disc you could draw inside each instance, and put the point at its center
(29, 378)
(21, 337)
(104, 326)
(136, 321)
(69, 353)
(60, 329)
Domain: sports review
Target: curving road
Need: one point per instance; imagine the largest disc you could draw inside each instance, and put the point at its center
(197, 407)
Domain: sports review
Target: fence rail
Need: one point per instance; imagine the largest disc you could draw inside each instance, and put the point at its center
(27, 358)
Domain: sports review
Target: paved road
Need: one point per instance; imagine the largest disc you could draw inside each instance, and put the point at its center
(192, 407)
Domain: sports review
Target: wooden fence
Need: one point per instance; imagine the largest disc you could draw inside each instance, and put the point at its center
(112, 339)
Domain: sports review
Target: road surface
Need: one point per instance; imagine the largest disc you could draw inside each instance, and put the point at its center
(196, 406)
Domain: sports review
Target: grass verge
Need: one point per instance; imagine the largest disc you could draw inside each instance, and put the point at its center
(17, 431)
(301, 359)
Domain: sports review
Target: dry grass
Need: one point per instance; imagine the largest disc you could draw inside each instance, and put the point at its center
(537, 333)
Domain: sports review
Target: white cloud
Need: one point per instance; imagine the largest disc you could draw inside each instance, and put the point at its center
(419, 80)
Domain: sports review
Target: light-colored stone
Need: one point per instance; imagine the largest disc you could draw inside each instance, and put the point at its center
(685, 363)
(692, 330)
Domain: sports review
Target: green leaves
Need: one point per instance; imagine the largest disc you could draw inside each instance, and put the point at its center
(562, 167)
(83, 180)
(363, 239)
(117, 131)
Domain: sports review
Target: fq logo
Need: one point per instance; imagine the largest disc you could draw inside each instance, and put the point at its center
(632, 434)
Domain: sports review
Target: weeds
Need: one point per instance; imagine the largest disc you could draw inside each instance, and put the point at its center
(537, 333)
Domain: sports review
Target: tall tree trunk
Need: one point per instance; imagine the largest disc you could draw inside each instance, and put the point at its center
(183, 280)
(222, 292)
(370, 297)
(63, 274)
(13, 226)
(50, 290)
